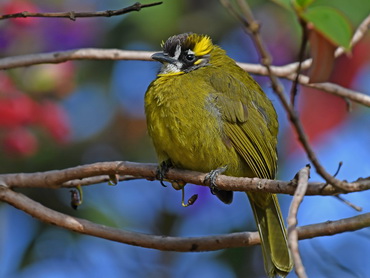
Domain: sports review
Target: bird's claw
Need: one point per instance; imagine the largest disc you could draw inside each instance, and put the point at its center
(211, 178)
(223, 195)
(162, 171)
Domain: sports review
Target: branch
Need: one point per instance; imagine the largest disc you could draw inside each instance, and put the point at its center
(73, 15)
(117, 54)
(168, 243)
(102, 171)
(331, 88)
(335, 89)
(303, 176)
(77, 54)
(302, 50)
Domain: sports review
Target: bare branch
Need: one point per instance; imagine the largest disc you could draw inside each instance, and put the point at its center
(117, 54)
(331, 88)
(167, 243)
(335, 227)
(337, 90)
(77, 54)
(348, 203)
(98, 179)
(101, 172)
(302, 50)
(73, 15)
(303, 176)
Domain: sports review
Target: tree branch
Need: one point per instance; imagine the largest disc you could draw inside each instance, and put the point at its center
(303, 176)
(117, 54)
(302, 51)
(74, 15)
(102, 171)
(77, 54)
(168, 243)
(331, 88)
(335, 89)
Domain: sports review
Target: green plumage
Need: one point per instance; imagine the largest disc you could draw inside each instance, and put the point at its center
(209, 114)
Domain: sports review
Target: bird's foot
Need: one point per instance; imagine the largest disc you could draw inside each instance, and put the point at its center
(223, 195)
(162, 171)
(211, 178)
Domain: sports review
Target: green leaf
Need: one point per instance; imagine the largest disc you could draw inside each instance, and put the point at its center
(331, 23)
(303, 4)
(355, 10)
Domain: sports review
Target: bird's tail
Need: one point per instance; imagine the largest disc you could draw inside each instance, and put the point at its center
(276, 255)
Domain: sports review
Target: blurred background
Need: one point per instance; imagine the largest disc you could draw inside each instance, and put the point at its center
(63, 115)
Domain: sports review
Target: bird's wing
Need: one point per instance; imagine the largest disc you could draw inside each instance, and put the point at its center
(250, 122)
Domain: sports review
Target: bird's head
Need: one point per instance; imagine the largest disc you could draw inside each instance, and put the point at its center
(184, 53)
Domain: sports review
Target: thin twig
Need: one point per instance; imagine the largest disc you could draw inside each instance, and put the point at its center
(348, 203)
(300, 192)
(98, 179)
(167, 243)
(302, 50)
(74, 15)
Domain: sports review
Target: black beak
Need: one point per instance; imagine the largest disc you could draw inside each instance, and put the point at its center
(163, 58)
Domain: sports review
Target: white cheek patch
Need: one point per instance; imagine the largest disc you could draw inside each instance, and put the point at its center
(173, 68)
(177, 52)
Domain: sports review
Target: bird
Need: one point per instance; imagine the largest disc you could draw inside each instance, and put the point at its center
(205, 113)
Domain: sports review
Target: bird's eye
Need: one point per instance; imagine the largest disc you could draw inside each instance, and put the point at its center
(190, 57)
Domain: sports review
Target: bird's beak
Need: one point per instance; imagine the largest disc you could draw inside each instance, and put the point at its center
(163, 58)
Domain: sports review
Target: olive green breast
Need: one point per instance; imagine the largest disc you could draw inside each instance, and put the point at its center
(184, 124)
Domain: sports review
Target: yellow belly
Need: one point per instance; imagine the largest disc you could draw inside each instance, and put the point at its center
(187, 129)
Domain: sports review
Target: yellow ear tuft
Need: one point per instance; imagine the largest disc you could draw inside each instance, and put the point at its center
(203, 44)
